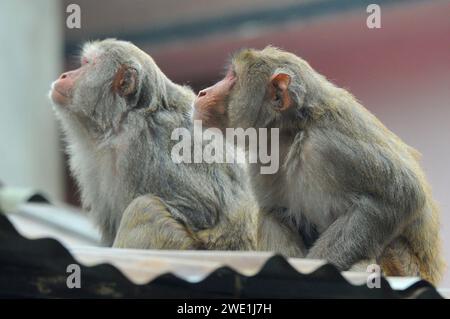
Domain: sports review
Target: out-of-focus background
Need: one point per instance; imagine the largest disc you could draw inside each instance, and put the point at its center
(400, 72)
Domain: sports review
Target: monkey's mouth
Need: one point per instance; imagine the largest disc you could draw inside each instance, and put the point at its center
(59, 97)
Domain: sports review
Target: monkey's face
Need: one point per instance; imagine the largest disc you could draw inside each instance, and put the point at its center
(110, 82)
(256, 92)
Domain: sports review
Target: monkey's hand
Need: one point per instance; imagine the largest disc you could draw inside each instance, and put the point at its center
(148, 224)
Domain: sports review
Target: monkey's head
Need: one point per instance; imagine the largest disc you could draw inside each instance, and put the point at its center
(112, 82)
(262, 88)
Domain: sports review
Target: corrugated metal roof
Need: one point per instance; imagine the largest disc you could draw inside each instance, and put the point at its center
(37, 268)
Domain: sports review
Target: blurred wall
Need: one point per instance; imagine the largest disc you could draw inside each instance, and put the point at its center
(31, 37)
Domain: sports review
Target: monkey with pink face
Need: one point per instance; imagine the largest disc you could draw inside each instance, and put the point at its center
(349, 186)
(118, 111)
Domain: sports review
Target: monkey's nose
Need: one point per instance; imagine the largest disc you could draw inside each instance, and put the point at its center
(63, 76)
(202, 93)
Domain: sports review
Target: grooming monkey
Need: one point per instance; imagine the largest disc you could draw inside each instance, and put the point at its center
(348, 185)
(118, 111)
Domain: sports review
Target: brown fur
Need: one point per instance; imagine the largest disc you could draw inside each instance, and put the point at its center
(345, 178)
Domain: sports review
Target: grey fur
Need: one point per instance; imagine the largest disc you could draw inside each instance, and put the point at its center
(344, 175)
(120, 154)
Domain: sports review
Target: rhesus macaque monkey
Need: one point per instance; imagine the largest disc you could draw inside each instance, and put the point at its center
(118, 111)
(350, 186)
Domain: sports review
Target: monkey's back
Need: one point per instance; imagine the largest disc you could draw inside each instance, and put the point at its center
(416, 250)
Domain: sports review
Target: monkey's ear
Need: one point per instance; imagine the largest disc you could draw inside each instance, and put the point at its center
(279, 85)
(125, 81)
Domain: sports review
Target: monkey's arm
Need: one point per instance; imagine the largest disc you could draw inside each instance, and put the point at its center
(277, 237)
(379, 192)
(148, 224)
(358, 235)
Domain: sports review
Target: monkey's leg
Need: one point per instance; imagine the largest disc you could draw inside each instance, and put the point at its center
(147, 224)
(278, 237)
(399, 260)
(237, 231)
(360, 234)
(417, 252)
